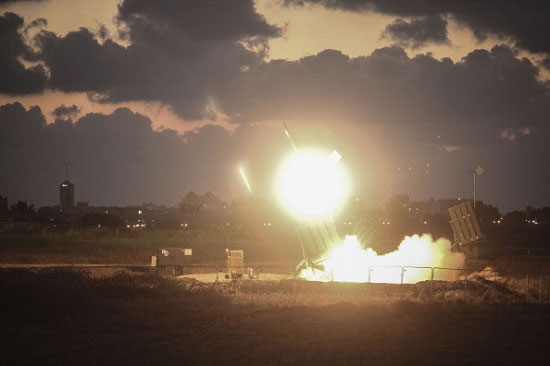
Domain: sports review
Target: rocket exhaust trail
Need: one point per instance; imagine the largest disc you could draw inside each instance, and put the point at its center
(245, 179)
(287, 133)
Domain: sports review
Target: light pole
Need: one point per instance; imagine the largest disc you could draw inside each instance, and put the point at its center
(477, 171)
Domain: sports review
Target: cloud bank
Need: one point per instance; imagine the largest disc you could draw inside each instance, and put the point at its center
(206, 59)
(526, 23)
(418, 32)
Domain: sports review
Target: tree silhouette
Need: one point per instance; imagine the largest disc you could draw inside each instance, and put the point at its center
(21, 211)
(97, 219)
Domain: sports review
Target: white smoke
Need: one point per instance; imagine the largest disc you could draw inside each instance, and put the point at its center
(350, 262)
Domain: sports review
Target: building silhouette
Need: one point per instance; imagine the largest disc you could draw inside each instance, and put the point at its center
(66, 195)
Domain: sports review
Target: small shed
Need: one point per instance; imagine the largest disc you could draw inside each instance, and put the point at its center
(176, 259)
(235, 262)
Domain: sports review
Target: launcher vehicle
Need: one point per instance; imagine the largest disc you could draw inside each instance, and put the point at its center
(312, 186)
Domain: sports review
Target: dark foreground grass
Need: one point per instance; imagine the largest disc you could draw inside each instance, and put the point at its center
(72, 318)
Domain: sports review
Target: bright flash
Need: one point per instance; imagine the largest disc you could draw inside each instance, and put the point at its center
(410, 263)
(312, 185)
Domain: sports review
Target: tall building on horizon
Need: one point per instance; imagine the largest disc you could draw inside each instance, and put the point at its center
(66, 190)
(66, 194)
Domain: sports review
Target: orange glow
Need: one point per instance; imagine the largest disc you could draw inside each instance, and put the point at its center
(350, 262)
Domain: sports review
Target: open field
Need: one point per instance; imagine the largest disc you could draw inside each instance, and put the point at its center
(72, 318)
(21, 243)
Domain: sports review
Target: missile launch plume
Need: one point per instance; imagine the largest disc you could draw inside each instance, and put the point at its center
(350, 262)
(245, 179)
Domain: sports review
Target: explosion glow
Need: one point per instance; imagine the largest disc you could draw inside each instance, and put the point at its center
(312, 185)
(350, 262)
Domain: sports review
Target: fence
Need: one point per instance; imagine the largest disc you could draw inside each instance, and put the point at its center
(414, 281)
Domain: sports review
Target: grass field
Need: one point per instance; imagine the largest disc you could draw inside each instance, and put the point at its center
(39, 244)
(65, 317)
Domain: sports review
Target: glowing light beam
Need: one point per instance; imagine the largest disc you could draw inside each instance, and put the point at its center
(245, 179)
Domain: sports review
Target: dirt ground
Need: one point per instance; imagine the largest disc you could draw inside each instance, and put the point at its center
(67, 317)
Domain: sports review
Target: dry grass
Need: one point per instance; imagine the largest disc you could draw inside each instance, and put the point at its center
(71, 318)
(37, 244)
(76, 246)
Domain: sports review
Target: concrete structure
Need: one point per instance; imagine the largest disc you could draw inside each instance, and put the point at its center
(234, 263)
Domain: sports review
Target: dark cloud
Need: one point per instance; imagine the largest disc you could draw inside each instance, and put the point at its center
(451, 114)
(196, 20)
(66, 112)
(37, 23)
(180, 53)
(384, 111)
(486, 90)
(18, 124)
(119, 158)
(387, 113)
(78, 62)
(6, 2)
(15, 78)
(418, 32)
(103, 32)
(526, 22)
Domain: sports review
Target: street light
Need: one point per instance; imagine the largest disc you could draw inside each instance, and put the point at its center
(477, 171)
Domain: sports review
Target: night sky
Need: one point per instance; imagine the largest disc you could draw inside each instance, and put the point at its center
(150, 99)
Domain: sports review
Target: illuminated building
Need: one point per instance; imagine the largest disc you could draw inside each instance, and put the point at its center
(66, 194)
